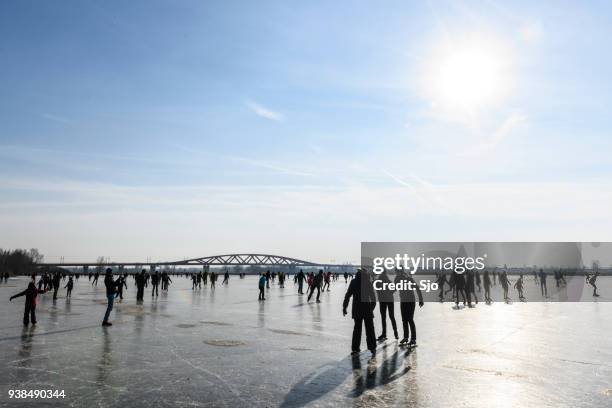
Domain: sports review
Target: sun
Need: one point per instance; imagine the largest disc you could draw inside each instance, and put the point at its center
(467, 76)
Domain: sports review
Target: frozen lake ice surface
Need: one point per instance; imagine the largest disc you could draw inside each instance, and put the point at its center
(224, 348)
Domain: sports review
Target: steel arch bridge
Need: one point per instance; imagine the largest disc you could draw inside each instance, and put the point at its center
(214, 260)
(248, 260)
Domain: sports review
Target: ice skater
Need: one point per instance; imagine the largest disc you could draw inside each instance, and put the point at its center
(459, 280)
(505, 283)
(165, 281)
(592, 281)
(451, 284)
(362, 311)
(327, 278)
(300, 277)
(225, 278)
(519, 287)
(486, 280)
(316, 284)
(141, 284)
(543, 287)
(30, 294)
(281, 279)
(470, 288)
(56, 284)
(155, 278)
(386, 303)
(69, 286)
(120, 285)
(407, 307)
(111, 292)
(262, 287)
(441, 281)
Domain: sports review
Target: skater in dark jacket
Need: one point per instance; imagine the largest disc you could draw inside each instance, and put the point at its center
(407, 307)
(69, 286)
(55, 281)
(386, 302)
(30, 304)
(111, 293)
(364, 302)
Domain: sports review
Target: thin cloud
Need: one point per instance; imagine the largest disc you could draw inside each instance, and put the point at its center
(506, 127)
(246, 160)
(425, 192)
(265, 112)
(55, 118)
(269, 166)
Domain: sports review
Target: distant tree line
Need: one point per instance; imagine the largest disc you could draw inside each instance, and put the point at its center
(19, 261)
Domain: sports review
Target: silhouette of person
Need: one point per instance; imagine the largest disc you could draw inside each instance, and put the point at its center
(326, 278)
(441, 281)
(121, 283)
(95, 279)
(451, 284)
(518, 285)
(56, 284)
(486, 280)
(557, 276)
(262, 287)
(281, 279)
(316, 284)
(30, 294)
(141, 283)
(505, 283)
(543, 287)
(69, 286)
(165, 280)
(111, 292)
(385, 300)
(155, 278)
(300, 280)
(592, 281)
(362, 311)
(470, 288)
(225, 278)
(459, 281)
(408, 306)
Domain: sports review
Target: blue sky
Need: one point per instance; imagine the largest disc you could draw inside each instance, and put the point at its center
(179, 129)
